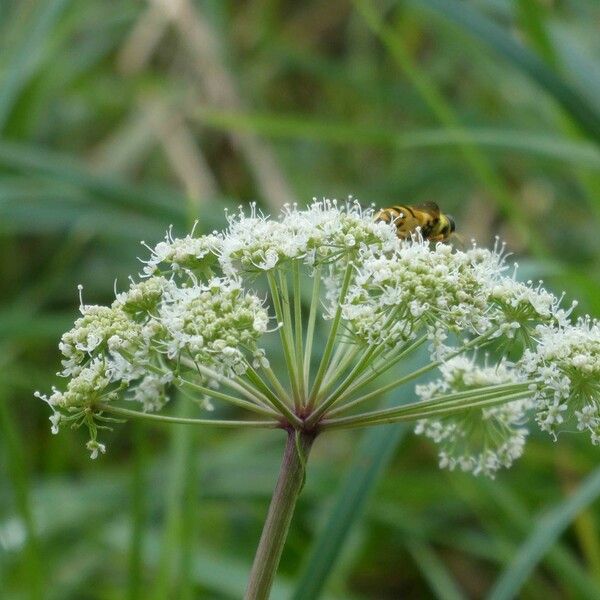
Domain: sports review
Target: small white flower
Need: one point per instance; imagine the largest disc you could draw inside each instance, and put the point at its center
(211, 321)
(55, 420)
(95, 449)
(150, 392)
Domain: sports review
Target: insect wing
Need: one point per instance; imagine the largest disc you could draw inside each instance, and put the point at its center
(430, 208)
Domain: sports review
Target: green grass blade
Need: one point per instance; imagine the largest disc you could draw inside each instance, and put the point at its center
(487, 31)
(430, 91)
(302, 127)
(531, 17)
(13, 446)
(28, 55)
(139, 487)
(165, 205)
(217, 575)
(434, 571)
(545, 532)
(560, 559)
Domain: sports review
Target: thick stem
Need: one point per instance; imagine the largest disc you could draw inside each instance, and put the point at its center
(277, 524)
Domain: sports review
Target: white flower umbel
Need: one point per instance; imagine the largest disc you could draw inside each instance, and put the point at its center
(151, 339)
(480, 439)
(192, 321)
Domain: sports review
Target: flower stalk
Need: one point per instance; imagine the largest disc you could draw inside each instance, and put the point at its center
(418, 410)
(331, 339)
(279, 516)
(286, 334)
(135, 414)
(310, 328)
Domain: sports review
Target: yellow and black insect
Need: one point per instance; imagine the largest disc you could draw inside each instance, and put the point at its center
(434, 225)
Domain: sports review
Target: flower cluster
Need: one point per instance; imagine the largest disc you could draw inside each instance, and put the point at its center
(479, 440)
(138, 346)
(393, 295)
(212, 323)
(183, 255)
(566, 366)
(192, 320)
(324, 232)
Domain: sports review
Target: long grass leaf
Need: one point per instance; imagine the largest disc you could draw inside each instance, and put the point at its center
(171, 573)
(560, 558)
(138, 512)
(163, 204)
(302, 127)
(433, 96)
(547, 529)
(434, 571)
(224, 576)
(27, 55)
(470, 20)
(13, 446)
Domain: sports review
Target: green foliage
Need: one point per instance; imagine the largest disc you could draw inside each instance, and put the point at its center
(117, 120)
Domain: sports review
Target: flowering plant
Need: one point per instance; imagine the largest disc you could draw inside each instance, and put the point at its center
(507, 352)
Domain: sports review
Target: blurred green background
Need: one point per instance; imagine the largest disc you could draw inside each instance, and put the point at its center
(118, 118)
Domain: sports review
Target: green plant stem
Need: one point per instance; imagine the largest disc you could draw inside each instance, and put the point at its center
(336, 399)
(413, 411)
(261, 397)
(331, 338)
(273, 399)
(385, 364)
(402, 380)
(256, 405)
(338, 367)
(277, 385)
(251, 406)
(134, 414)
(310, 328)
(447, 399)
(275, 530)
(239, 385)
(286, 337)
(298, 328)
(286, 305)
(350, 378)
(341, 350)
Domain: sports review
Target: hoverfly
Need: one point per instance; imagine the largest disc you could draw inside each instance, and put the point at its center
(434, 225)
